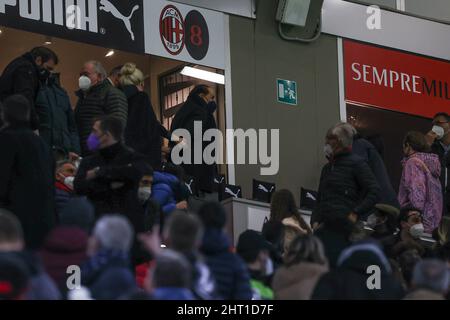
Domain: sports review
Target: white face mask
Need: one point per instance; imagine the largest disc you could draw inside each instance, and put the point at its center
(269, 269)
(440, 132)
(144, 193)
(68, 181)
(328, 150)
(372, 221)
(417, 230)
(84, 83)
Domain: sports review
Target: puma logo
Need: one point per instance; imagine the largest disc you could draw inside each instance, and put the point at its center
(310, 196)
(107, 6)
(219, 181)
(188, 185)
(261, 187)
(235, 195)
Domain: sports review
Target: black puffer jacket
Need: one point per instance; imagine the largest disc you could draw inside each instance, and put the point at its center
(365, 150)
(101, 100)
(346, 181)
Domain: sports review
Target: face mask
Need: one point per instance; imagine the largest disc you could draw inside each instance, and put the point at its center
(269, 269)
(144, 194)
(68, 181)
(77, 162)
(44, 74)
(372, 221)
(93, 142)
(84, 83)
(328, 150)
(417, 230)
(440, 132)
(212, 106)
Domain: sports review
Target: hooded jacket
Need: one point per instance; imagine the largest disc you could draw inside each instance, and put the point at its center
(355, 271)
(421, 188)
(108, 275)
(230, 272)
(64, 247)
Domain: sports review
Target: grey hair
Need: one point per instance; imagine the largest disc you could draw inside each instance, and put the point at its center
(171, 270)
(344, 132)
(114, 232)
(431, 274)
(99, 69)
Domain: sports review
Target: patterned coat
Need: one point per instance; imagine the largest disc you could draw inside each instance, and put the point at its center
(420, 187)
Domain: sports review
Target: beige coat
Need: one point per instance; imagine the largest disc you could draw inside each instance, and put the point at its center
(297, 282)
(291, 230)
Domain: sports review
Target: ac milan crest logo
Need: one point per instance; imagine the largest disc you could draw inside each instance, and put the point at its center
(171, 28)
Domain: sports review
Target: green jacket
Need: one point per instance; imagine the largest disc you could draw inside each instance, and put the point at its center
(56, 119)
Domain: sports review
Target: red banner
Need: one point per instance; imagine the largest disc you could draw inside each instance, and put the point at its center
(396, 81)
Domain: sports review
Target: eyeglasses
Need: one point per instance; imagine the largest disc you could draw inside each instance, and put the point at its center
(439, 122)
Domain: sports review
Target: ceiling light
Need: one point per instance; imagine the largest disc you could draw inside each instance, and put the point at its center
(48, 41)
(110, 53)
(203, 75)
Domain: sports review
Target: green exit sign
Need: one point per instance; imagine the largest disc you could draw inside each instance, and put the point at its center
(287, 92)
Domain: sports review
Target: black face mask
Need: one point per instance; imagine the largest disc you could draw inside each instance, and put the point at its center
(212, 106)
(53, 79)
(44, 74)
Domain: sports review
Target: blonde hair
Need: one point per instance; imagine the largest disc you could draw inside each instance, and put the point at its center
(131, 75)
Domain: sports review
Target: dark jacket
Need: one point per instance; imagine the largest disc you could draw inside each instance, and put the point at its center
(21, 76)
(438, 149)
(108, 275)
(41, 287)
(350, 280)
(230, 272)
(365, 150)
(203, 284)
(101, 100)
(62, 196)
(143, 133)
(164, 190)
(334, 242)
(117, 164)
(172, 294)
(56, 119)
(346, 181)
(194, 110)
(64, 247)
(26, 182)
